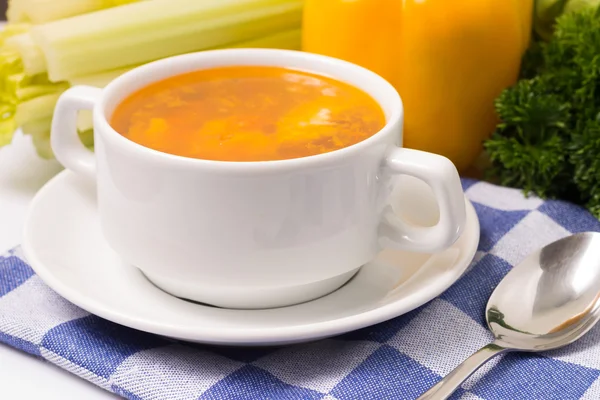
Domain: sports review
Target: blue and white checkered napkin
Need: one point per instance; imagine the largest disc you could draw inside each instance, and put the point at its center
(398, 359)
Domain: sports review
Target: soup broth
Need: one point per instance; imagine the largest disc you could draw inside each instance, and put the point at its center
(248, 113)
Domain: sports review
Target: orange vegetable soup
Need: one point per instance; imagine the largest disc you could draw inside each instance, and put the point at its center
(248, 114)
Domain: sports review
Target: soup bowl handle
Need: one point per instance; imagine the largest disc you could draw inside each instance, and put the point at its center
(441, 175)
(64, 139)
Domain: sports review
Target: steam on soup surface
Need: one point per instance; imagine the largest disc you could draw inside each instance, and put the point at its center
(248, 113)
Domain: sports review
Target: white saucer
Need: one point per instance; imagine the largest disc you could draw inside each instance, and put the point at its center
(66, 249)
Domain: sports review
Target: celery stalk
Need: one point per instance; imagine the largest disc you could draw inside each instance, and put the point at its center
(84, 120)
(7, 124)
(24, 97)
(289, 40)
(39, 130)
(41, 142)
(38, 107)
(34, 88)
(99, 79)
(144, 31)
(11, 30)
(41, 11)
(15, 13)
(31, 55)
(37, 125)
(18, 88)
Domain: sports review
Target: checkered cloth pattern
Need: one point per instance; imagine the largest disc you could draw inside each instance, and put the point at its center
(398, 359)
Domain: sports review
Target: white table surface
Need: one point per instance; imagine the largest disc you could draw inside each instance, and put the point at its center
(23, 377)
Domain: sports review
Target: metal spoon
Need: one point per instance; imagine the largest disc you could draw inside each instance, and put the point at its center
(549, 300)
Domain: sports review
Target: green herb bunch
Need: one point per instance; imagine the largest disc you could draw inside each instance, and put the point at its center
(548, 140)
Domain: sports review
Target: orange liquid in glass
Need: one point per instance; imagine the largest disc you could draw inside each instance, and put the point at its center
(248, 113)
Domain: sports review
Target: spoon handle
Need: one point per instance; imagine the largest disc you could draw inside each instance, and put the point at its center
(444, 388)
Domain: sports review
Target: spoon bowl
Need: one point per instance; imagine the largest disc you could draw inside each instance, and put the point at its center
(549, 300)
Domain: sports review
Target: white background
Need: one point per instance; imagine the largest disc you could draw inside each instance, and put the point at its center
(22, 376)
